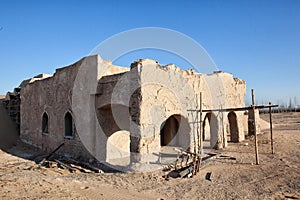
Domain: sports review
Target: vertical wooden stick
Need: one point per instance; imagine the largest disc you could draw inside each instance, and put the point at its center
(254, 129)
(196, 143)
(195, 126)
(271, 128)
(200, 135)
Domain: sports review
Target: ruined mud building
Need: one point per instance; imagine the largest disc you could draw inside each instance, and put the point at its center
(12, 103)
(140, 110)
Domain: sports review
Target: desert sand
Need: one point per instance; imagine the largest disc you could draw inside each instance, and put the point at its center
(277, 176)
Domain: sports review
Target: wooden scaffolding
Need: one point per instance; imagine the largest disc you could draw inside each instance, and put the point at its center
(197, 124)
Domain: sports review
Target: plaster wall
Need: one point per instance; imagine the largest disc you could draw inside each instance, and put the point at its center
(123, 110)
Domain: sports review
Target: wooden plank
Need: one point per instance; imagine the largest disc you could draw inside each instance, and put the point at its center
(71, 169)
(81, 169)
(85, 165)
(186, 171)
(55, 150)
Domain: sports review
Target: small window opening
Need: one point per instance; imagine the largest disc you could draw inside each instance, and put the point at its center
(45, 123)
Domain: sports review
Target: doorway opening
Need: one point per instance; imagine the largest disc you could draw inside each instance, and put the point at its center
(169, 131)
(233, 135)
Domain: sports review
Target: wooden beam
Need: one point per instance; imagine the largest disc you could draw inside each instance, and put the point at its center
(186, 171)
(55, 150)
(71, 169)
(237, 109)
(49, 155)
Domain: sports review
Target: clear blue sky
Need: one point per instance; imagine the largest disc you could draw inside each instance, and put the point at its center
(258, 41)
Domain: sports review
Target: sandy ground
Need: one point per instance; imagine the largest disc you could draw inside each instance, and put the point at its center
(277, 176)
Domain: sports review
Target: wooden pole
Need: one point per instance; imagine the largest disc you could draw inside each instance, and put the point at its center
(195, 127)
(196, 144)
(254, 129)
(201, 124)
(271, 128)
(223, 131)
(200, 136)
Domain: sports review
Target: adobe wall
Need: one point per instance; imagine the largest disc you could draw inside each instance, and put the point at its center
(119, 110)
(50, 94)
(55, 95)
(164, 93)
(168, 91)
(115, 114)
(235, 91)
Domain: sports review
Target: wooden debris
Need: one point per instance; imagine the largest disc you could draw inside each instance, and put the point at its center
(71, 169)
(55, 150)
(226, 157)
(185, 172)
(81, 169)
(41, 163)
(85, 165)
(70, 164)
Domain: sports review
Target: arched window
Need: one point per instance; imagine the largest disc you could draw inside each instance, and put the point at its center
(69, 128)
(45, 123)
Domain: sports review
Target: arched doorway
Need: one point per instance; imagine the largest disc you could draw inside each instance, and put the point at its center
(169, 131)
(114, 120)
(206, 127)
(210, 130)
(233, 135)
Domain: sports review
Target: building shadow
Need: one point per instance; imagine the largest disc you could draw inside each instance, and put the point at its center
(8, 129)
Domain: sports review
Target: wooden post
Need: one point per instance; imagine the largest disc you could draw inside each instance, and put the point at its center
(201, 128)
(195, 127)
(254, 129)
(271, 128)
(200, 136)
(196, 143)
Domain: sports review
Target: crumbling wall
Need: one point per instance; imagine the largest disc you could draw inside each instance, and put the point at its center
(12, 102)
(51, 95)
(117, 105)
(235, 91)
(130, 109)
(168, 91)
(165, 93)
(113, 114)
